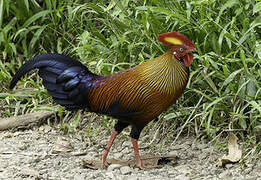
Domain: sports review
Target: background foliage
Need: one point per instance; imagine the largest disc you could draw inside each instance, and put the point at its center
(223, 93)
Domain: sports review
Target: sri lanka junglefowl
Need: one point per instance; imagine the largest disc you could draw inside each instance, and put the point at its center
(135, 96)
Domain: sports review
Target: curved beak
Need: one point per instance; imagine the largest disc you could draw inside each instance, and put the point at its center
(192, 49)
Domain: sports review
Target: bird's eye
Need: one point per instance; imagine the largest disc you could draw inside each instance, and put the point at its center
(181, 49)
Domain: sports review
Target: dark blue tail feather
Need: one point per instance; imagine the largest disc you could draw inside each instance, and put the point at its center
(63, 77)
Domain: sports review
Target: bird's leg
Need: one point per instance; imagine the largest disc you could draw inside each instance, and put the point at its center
(136, 153)
(119, 126)
(107, 150)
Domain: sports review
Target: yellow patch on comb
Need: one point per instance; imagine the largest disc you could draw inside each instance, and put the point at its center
(173, 40)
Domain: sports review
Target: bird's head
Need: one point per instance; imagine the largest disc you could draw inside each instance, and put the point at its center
(182, 47)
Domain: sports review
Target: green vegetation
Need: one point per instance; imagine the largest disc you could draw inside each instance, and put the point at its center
(224, 91)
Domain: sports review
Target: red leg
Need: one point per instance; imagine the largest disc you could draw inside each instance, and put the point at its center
(136, 153)
(107, 150)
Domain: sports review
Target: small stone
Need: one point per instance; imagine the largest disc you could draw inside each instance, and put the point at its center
(47, 129)
(208, 150)
(181, 146)
(126, 144)
(225, 175)
(228, 166)
(202, 156)
(250, 178)
(172, 172)
(117, 155)
(91, 154)
(17, 133)
(204, 172)
(184, 169)
(248, 170)
(79, 177)
(45, 176)
(112, 167)
(182, 177)
(131, 178)
(250, 165)
(202, 146)
(173, 153)
(258, 174)
(110, 175)
(7, 135)
(30, 172)
(125, 170)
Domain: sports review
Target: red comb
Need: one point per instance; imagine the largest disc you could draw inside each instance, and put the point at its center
(176, 35)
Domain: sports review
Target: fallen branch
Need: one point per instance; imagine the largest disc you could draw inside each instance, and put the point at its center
(24, 120)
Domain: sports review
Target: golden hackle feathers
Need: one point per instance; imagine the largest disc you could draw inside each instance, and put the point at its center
(148, 88)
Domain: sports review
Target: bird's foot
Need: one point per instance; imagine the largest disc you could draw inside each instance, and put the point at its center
(141, 167)
(104, 165)
(139, 164)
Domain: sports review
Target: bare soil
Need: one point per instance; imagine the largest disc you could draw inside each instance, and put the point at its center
(46, 153)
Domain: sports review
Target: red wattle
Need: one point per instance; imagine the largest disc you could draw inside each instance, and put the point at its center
(188, 59)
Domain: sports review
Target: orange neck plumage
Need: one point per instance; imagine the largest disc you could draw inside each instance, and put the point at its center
(164, 73)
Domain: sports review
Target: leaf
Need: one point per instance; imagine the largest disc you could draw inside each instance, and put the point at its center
(242, 123)
(227, 5)
(35, 17)
(165, 11)
(221, 36)
(1, 12)
(213, 103)
(234, 153)
(172, 115)
(231, 77)
(255, 105)
(257, 7)
(251, 88)
(26, 5)
(36, 36)
(111, 5)
(209, 81)
(61, 146)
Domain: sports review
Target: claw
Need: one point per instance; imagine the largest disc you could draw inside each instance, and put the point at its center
(104, 165)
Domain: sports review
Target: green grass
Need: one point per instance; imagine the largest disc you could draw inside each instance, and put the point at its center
(223, 93)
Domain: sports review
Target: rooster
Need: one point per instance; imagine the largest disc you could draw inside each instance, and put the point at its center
(135, 96)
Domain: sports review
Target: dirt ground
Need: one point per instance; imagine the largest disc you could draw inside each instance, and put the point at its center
(35, 153)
